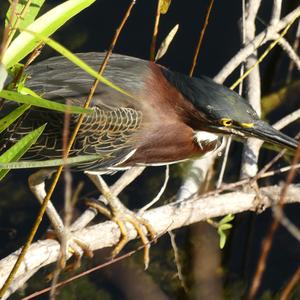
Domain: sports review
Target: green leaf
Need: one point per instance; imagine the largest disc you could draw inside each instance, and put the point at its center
(11, 117)
(225, 227)
(226, 219)
(40, 102)
(28, 17)
(27, 164)
(222, 241)
(45, 25)
(15, 152)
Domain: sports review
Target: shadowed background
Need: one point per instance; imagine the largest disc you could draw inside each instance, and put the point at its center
(214, 271)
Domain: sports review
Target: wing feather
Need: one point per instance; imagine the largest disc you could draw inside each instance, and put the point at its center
(111, 130)
(109, 133)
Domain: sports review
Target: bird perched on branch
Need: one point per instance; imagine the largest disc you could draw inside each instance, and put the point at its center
(166, 117)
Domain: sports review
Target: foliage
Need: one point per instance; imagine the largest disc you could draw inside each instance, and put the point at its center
(223, 226)
(45, 25)
(29, 8)
(20, 148)
(33, 32)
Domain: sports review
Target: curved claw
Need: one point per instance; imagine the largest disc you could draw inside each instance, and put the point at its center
(70, 245)
(138, 223)
(121, 215)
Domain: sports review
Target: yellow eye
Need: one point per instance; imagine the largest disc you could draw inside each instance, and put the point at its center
(226, 122)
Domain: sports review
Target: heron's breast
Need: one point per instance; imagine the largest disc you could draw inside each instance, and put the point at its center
(171, 143)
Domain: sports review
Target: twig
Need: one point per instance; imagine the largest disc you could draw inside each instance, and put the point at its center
(29, 61)
(279, 171)
(155, 31)
(243, 182)
(19, 17)
(85, 273)
(258, 41)
(295, 47)
(61, 263)
(290, 118)
(286, 223)
(269, 165)
(288, 289)
(288, 49)
(177, 261)
(7, 29)
(224, 162)
(267, 242)
(196, 54)
(158, 196)
(270, 47)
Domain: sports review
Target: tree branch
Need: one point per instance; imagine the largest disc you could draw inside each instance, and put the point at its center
(164, 218)
(251, 147)
(265, 36)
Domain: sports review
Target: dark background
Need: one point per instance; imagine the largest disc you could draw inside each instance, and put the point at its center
(92, 30)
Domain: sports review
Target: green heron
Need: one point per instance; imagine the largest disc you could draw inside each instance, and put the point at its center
(169, 118)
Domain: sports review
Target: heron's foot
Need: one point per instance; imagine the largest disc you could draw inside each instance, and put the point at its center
(122, 215)
(70, 246)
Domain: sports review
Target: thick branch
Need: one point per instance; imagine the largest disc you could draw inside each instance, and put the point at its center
(162, 219)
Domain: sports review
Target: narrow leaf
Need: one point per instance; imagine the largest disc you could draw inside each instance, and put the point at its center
(40, 102)
(28, 17)
(166, 43)
(225, 226)
(19, 149)
(13, 116)
(45, 25)
(228, 218)
(222, 241)
(27, 164)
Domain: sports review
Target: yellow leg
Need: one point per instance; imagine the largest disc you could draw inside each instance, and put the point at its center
(120, 214)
